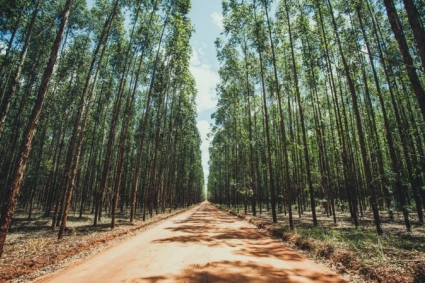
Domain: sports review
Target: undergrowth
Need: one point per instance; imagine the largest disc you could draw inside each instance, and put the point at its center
(395, 256)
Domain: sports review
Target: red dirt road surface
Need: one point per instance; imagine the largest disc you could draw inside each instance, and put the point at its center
(203, 244)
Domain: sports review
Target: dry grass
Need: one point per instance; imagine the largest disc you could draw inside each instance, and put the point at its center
(31, 245)
(396, 256)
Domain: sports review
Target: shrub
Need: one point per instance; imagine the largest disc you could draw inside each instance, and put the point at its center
(326, 250)
(304, 243)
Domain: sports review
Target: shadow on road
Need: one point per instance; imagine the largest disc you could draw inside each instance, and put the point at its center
(235, 272)
(210, 227)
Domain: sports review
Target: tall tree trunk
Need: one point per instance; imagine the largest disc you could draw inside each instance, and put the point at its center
(78, 134)
(301, 114)
(418, 30)
(404, 50)
(112, 130)
(8, 56)
(252, 185)
(346, 162)
(143, 126)
(366, 165)
(8, 209)
(267, 127)
(15, 80)
(395, 166)
(282, 120)
(128, 114)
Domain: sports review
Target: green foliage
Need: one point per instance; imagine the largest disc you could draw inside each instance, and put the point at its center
(120, 63)
(341, 85)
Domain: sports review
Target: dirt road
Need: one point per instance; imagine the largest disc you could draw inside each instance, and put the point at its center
(200, 245)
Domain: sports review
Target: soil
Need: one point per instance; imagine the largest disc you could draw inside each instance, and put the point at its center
(202, 244)
(32, 248)
(397, 256)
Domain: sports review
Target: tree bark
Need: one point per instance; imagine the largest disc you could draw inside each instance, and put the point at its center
(404, 50)
(8, 209)
(78, 134)
(360, 133)
(418, 31)
(15, 80)
(301, 114)
(395, 166)
(143, 128)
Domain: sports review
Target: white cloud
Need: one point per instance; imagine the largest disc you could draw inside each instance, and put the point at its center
(206, 99)
(204, 128)
(217, 19)
(206, 81)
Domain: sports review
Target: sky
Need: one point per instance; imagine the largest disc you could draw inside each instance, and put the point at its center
(207, 20)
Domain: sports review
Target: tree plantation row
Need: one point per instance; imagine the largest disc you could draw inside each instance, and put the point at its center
(321, 102)
(97, 109)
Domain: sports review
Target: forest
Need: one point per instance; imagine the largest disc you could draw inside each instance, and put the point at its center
(97, 110)
(321, 103)
(320, 117)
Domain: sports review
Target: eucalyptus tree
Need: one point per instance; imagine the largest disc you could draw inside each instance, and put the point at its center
(301, 114)
(325, 141)
(399, 35)
(14, 16)
(393, 151)
(186, 172)
(350, 136)
(119, 46)
(229, 108)
(359, 126)
(143, 46)
(179, 90)
(192, 177)
(80, 123)
(146, 115)
(30, 75)
(218, 180)
(336, 109)
(277, 92)
(237, 93)
(414, 16)
(402, 126)
(260, 39)
(243, 68)
(15, 78)
(8, 208)
(100, 87)
(249, 96)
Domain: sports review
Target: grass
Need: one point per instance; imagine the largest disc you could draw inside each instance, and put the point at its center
(395, 256)
(32, 245)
